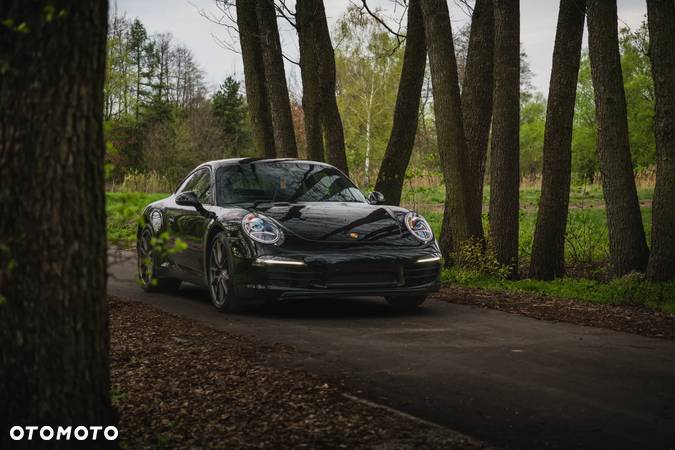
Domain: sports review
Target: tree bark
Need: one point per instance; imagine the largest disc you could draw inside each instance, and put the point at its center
(404, 127)
(54, 366)
(306, 19)
(477, 103)
(333, 131)
(548, 246)
(447, 108)
(254, 77)
(317, 61)
(505, 148)
(627, 244)
(661, 15)
(275, 75)
(332, 122)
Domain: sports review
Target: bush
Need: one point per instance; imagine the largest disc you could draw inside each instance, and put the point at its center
(472, 261)
(586, 237)
(148, 182)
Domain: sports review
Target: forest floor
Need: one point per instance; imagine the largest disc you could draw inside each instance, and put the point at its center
(635, 319)
(178, 384)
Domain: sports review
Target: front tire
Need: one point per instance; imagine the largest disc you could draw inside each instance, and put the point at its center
(148, 263)
(219, 276)
(407, 302)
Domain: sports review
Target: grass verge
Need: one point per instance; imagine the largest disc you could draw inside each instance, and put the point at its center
(631, 290)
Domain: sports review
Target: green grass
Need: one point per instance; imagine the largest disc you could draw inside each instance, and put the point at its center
(586, 245)
(629, 290)
(124, 210)
(587, 237)
(580, 196)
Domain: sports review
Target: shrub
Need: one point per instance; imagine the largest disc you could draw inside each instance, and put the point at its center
(149, 182)
(473, 261)
(586, 237)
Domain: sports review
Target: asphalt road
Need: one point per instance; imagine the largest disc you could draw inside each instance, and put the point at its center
(512, 381)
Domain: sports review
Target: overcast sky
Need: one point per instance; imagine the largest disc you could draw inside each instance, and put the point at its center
(182, 19)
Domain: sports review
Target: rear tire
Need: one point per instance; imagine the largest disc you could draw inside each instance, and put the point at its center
(147, 266)
(218, 273)
(406, 302)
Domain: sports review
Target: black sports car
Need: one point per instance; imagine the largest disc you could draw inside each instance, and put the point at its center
(274, 229)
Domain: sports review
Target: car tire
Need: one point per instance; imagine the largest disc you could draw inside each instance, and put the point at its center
(406, 302)
(218, 276)
(148, 263)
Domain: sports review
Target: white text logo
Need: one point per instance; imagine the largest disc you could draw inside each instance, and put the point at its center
(47, 433)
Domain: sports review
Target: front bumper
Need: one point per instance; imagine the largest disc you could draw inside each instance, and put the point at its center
(340, 274)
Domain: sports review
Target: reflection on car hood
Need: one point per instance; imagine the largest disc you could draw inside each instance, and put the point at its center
(337, 222)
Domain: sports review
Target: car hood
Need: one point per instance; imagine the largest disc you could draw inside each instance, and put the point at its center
(338, 222)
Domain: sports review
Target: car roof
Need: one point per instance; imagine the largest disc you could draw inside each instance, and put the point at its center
(233, 161)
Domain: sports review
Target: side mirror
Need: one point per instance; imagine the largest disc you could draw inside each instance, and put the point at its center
(376, 198)
(189, 198)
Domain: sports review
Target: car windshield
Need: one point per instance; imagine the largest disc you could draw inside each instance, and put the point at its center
(284, 182)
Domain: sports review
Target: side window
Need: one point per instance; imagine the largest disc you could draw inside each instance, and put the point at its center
(203, 188)
(200, 184)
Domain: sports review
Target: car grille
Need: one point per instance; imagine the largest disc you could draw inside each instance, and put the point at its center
(296, 277)
(362, 279)
(417, 275)
(303, 277)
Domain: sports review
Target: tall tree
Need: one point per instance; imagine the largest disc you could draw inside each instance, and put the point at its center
(333, 130)
(254, 77)
(661, 25)
(447, 108)
(138, 38)
(277, 90)
(505, 148)
(548, 247)
(477, 104)
(229, 110)
(312, 102)
(53, 316)
(317, 63)
(402, 139)
(627, 243)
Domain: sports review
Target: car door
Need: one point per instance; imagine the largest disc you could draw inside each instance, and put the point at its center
(189, 225)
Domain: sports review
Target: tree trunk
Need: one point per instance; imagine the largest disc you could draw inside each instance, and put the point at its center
(447, 108)
(317, 61)
(369, 128)
(306, 19)
(54, 367)
(404, 127)
(477, 104)
(333, 130)
(277, 90)
(505, 149)
(548, 246)
(627, 244)
(662, 42)
(254, 77)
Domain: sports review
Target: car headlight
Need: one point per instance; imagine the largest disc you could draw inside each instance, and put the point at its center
(260, 229)
(418, 227)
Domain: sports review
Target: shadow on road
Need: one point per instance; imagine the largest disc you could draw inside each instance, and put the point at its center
(315, 308)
